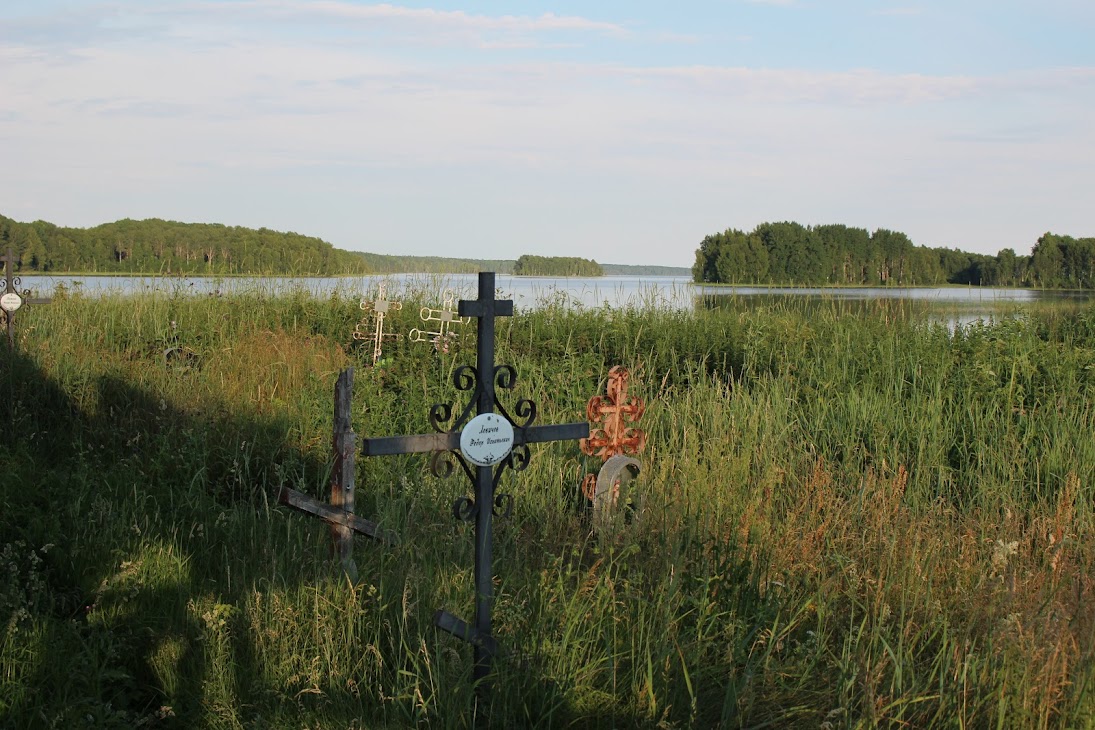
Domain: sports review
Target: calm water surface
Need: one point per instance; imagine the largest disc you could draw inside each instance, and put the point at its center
(954, 304)
(526, 291)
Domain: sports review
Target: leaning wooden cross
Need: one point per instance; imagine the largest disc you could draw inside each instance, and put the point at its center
(340, 512)
(479, 445)
(12, 299)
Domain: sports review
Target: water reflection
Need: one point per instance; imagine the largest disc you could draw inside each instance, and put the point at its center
(527, 292)
(954, 305)
(964, 294)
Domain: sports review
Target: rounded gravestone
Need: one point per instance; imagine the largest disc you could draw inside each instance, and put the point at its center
(487, 439)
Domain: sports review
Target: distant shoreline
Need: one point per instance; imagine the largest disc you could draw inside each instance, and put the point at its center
(162, 275)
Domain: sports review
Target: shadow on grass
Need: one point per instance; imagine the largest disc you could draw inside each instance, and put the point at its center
(121, 516)
(137, 534)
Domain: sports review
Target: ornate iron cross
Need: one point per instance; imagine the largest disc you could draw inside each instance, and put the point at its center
(617, 435)
(614, 441)
(380, 309)
(12, 299)
(491, 442)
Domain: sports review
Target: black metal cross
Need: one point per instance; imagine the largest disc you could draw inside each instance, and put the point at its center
(11, 299)
(485, 442)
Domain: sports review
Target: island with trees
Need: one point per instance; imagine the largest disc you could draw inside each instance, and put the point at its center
(528, 265)
(839, 255)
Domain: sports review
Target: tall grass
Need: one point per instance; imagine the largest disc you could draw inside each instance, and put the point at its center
(848, 519)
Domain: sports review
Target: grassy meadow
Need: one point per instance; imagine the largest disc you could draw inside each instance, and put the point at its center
(848, 519)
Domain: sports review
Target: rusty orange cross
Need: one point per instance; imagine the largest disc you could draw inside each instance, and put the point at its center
(617, 435)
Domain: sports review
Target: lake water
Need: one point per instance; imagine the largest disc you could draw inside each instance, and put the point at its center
(954, 304)
(527, 292)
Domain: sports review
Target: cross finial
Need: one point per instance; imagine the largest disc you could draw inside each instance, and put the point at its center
(485, 309)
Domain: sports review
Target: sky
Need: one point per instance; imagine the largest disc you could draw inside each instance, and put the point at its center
(619, 131)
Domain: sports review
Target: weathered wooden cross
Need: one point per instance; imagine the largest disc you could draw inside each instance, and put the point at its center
(340, 512)
(380, 309)
(12, 298)
(487, 441)
(447, 318)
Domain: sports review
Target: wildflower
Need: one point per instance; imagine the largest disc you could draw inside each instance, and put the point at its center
(1001, 555)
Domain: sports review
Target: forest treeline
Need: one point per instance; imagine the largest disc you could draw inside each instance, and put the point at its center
(790, 253)
(556, 266)
(380, 263)
(155, 246)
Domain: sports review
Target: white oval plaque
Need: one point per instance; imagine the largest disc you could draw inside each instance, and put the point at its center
(487, 439)
(10, 302)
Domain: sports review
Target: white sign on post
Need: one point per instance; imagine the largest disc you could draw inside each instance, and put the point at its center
(10, 302)
(487, 439)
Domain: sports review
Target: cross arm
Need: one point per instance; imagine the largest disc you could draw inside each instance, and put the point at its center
(304, 503)
(478, 308)
(461, 630)
(427, 442)
(419, 444)
(558, 432)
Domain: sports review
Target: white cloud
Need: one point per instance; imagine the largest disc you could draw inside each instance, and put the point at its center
(327, 11)
(899, 12)
(257, 115)
(783, 3)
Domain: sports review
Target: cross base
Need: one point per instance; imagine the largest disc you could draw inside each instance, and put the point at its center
(445, 621)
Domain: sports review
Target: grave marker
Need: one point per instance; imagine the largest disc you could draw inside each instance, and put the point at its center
(614, 438)
(340, 512)
(380, 309)
(499, 448)
(447, 318)
(12, 299)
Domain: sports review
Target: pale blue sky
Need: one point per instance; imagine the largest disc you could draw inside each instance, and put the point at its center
(622, 131)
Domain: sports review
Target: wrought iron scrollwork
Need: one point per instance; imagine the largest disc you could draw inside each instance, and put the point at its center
(440, 414)
(517, 460)
(526, 411)
(505, 377)
(464, 378)
(503, 505)
(17, 282)
(443, 464)
(465, 509)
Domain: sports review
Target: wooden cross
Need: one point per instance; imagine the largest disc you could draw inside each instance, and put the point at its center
(447, 317)
(12, 299)
(340, 512)
(380, 309)
(487, 440)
